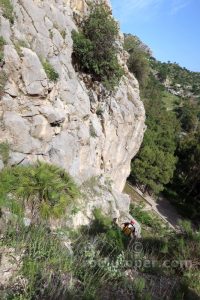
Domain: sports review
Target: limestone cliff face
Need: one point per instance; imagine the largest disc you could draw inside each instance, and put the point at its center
(87, 132)
(81, 6)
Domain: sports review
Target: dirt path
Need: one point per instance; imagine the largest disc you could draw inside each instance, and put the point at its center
(161, 207)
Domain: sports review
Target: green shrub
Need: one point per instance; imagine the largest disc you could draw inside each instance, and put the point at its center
(142, 216)
(20, 44)
(94, 47)
(3, 80)
(4, 152)
(139, 285)
(63, 34)
(45, 188)
(92, 131)
(187, 227)
(101, 222)
(2, 43)
(111, 238)
(192, 279)
(49, 70)
(7, 8)
(138, 62)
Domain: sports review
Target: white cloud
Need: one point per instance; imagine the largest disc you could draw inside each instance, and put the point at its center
(127, 8)
(145, 9)
(177, 5)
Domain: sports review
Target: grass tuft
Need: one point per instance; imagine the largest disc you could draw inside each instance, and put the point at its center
(49, 70)
(4, 152)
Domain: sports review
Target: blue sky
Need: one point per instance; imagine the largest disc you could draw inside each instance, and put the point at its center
(171, 28)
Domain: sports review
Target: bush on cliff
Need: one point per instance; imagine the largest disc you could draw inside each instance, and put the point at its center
(44, 188)
(7, 9)
(138, 62)
(50, 71)
(94, 49)
(2, 43)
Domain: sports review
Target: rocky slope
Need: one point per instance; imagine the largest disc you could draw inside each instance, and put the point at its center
(84, 129)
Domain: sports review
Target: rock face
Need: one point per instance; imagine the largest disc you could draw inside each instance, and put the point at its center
(88, 132)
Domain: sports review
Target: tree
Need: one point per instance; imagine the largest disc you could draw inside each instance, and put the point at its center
(155, 163)
(189, 115)
(186, 180)
(94, 48)
(153, 168)
(138, 62)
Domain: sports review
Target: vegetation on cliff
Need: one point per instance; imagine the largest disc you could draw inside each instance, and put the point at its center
(138, 62)
(7, 9)
(95, 50)
(45, 189)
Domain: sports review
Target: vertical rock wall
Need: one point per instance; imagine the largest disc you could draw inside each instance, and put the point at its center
(88, 132)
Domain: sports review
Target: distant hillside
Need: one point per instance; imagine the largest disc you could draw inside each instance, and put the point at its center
(176, 79)
(168, 160)
(179, 81)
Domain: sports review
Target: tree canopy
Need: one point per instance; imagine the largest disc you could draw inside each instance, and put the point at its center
(155, 163)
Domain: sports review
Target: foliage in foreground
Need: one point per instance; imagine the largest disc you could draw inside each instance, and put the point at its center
(97, 267)
(45, 263)
(44, 188)
(93, 262)
(94, 47)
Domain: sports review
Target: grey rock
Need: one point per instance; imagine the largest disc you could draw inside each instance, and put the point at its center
(96, 125)
(19, 131)
(9, 103)
(5, 30)
(16, 158)
(27, 222)
(33, 74)
(11, 89)
(122, 201)
(54, 116)
(41, 129)
(12, 61)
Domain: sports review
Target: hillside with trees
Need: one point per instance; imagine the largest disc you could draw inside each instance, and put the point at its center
(169, 159)
(176, 79)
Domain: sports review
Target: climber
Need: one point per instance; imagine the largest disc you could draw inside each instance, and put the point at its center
(132, 229)
(129, 228)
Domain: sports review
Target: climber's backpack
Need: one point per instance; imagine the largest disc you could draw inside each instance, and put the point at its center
(127, 231)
